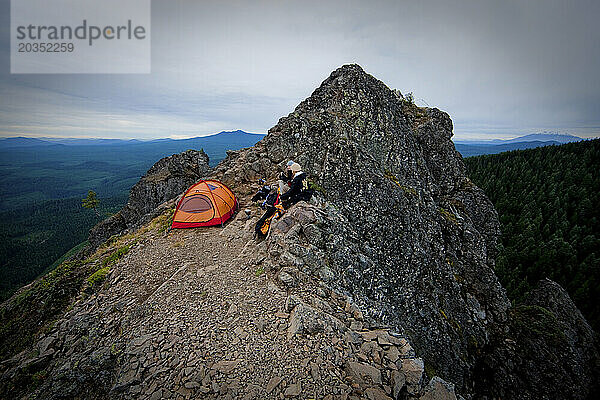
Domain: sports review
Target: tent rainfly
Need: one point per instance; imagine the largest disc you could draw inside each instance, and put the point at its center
(205, 203)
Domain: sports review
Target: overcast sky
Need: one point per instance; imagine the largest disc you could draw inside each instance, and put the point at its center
(500, 69)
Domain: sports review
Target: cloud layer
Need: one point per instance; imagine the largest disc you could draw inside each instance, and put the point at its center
(500, 69)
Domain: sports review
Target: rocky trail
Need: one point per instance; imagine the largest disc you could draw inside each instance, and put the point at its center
(193, 314)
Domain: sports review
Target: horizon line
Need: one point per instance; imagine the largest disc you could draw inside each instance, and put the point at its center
(172, 137)
(469, 138)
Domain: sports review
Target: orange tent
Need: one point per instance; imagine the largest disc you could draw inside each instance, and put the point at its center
(206, 203)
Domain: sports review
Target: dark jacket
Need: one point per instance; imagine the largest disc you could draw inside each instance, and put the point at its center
(295, 193)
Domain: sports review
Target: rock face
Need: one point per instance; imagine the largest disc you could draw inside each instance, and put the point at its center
(406, 234)
(548, 351)
(165, 180)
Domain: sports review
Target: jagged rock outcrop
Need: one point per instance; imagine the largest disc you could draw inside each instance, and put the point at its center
(165, 180)
(547, 351)
(407, 234)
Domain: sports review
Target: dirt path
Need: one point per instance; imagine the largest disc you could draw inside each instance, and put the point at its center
(206, 323)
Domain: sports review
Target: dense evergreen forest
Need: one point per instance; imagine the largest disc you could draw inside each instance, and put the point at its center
(549, 206)
(32, 237)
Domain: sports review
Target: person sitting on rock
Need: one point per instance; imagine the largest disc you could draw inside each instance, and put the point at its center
(298, 187)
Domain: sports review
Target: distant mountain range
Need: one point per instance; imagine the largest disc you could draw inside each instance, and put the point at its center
(237, 136)
(216, 145)
(38, 169)
(470, 148)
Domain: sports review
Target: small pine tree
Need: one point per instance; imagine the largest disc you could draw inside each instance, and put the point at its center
(91, 201)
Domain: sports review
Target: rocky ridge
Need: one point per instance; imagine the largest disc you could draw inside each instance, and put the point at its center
(381, 288)
(33, 308)
(548, 350)
(175, 319)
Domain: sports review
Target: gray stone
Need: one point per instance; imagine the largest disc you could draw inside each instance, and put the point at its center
(398, 382)
(363, 373)
(45, 343)
(191, 385)
(376, 394)
(356, 325)
(157, 395)
(314, 372)
(287, 279)
(260, 325)
(353, 337)
(293, 390)
(438, 389)
(392, 354)
(226, 366)
(305, 319)
(273, 383)
(413, 369)
(291, 302)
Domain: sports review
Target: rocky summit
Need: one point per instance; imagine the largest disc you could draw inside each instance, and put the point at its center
(381, 287)
(407, 234)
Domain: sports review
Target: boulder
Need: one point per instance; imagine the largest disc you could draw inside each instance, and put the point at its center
(376, 394)
(363, 374)
(413, 369)
(305, 319)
